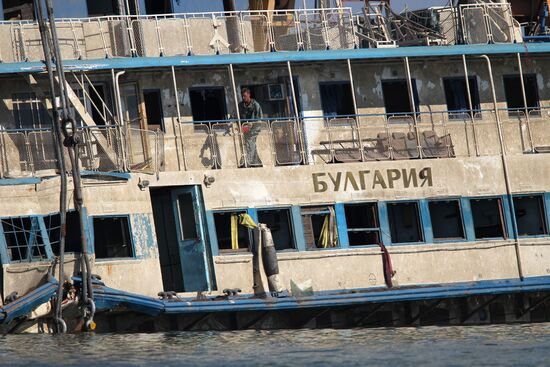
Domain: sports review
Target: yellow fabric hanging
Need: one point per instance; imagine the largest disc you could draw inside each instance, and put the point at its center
(234, 232)
(247, 221)
(244, 220)
(324, 237)
(329, 231)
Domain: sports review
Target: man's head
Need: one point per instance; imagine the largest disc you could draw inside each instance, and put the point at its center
(245, 93)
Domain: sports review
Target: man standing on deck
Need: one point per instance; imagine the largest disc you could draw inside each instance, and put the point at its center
(250, 111)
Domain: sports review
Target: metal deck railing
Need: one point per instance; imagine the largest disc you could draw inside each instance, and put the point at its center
(318, 140)
(184, 34)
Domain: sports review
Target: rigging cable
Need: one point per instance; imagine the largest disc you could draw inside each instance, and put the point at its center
(66, 129)
(61, 165)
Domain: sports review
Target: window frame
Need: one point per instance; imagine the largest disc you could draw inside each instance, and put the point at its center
(4, 253)
(514, 112)
(338, 246)
(292, 228)
(378, 219)
(462, 220)
(338, 83)
(544, 214)
(214, 231)
(476, 103)
(504, 217)
(421, 224)
(131, 237)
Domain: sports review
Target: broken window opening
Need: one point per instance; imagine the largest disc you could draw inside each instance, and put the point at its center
(396, 97)
(530, 215)
(18, 9)
(405, 222)
(446, 217)
(24, 239)
(363, 224)
(98, 8)
(337, 99)
(225, 226)
(514, 94)
(158, 6)
(73, 238)
(274, 98)
(279, 221)
(153, 109)
(456, 94)
(112, 238)
(488, 215)
(208, 104)
(29, 112)
(320, 227)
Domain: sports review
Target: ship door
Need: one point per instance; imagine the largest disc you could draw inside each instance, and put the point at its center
(182, 238)
(133, 120)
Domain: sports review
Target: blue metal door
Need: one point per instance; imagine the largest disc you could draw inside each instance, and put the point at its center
(192, 240)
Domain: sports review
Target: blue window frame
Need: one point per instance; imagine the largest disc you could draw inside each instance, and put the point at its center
(320, 227)
(113, 237)
(489, 218)
(530, 212)
(25, 239)
(405, 222)
(446, 220)
(222, 228)
(280, 222)
(363, 224)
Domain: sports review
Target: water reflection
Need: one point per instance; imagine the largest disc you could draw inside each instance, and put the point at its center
(455, 346)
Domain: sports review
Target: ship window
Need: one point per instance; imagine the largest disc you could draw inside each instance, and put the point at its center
(208, 104)
(337, 99)
(405, 223)
(280, 223)
(456, 95)
(153, 109)
(29, 112)
(112, 237)
(446, 219)
(514, 93)
(530, 215)
(320, 229)
(488, 218)
(24, 239)
(72, 239)
(224, 228)
(396, 96)
(102, 7)
(275, 98)
(186, 217)
(363, 225)
(158, 6)
(18, 9)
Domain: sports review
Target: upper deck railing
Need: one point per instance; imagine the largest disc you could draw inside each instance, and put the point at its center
(233, 144)
(184, 34)
(255, 31)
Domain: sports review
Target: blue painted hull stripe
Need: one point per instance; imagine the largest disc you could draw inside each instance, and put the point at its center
(281, 57)
(107, 298)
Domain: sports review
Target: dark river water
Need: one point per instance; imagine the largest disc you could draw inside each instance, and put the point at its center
(518, 345)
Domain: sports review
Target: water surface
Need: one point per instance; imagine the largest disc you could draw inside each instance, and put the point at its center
(511, 345)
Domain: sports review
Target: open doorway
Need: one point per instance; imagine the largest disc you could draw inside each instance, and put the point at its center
(153, 109)
(185, 258)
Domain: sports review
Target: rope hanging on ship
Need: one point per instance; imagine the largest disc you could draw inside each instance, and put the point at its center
(65, 136)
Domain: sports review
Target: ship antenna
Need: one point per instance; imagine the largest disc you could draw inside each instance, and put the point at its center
(65, 136)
